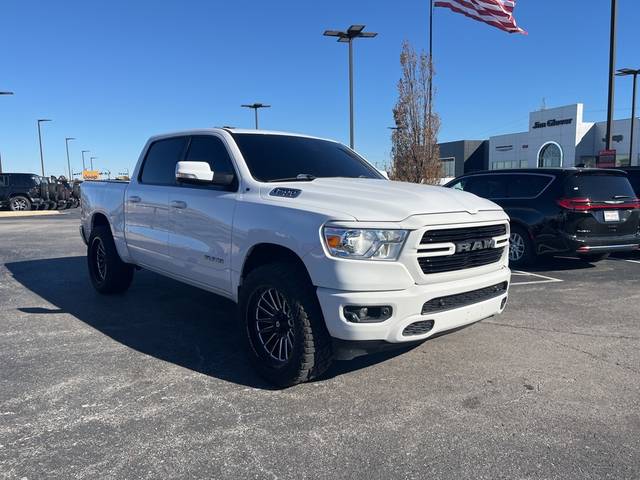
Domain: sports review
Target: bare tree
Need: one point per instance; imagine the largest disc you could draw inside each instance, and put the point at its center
(415, 153)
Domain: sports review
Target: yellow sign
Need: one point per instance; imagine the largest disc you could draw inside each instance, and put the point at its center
(90, 174)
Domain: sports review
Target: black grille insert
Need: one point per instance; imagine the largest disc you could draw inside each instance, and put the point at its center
(463, 259)
(418, 328)
(458, 300)
(462, 234)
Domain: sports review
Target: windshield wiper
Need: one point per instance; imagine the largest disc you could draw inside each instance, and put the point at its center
(302, 177)
(616, 197)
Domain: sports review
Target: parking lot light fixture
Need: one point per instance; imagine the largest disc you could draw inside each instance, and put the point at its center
(625, 72)
(83, 162)
(6, 93)
(66, 141)
(91, 161)
(354, 31)
(256, 107)
(40, 121)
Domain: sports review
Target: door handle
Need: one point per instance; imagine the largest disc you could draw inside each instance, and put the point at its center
(134, 199)
(178, 204)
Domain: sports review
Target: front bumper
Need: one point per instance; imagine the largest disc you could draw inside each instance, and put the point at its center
(407, 308)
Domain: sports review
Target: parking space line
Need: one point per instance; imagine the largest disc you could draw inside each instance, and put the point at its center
(545, 279)
(624, 260)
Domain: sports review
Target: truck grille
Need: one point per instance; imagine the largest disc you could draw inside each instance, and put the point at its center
(460, 260)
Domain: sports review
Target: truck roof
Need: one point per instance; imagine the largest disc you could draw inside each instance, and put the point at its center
(237, 131)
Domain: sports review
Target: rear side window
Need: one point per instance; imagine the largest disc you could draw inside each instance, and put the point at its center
(23, 180)
(598, 186)
(211, 150)
(159, 166)
(486, 186)
(634, 178)
(526, 186)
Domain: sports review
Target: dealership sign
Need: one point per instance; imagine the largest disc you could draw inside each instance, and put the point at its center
(553, 123)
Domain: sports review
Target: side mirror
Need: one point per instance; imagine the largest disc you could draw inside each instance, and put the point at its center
(194, 171)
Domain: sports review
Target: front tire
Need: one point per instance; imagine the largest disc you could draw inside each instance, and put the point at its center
(521, 248)
(19, 204)
(108, 273)
(283, 325)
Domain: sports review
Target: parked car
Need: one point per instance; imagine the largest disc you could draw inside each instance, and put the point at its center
(587, 212)
(325, 257)
(75, 193)
(21, 191)
(51, 194)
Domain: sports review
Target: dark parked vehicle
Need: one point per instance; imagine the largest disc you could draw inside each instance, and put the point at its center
(634, 177)
(21, 191)
(588, 212)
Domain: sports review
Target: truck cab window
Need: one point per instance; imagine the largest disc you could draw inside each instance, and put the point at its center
(159, 167)
(211, 150)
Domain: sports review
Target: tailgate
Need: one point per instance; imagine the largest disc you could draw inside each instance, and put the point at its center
(600, 204)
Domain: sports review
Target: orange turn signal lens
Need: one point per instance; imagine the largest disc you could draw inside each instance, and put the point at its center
(333, 241)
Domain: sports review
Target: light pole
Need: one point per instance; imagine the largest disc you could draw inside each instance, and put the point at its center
(256, 107)
(623, 72)
(91, 160)
(40, 142)
(354, 31)
(66, 141)
(612, 63)
(83, 164)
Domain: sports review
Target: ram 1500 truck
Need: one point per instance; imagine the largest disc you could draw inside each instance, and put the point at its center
(325, 257)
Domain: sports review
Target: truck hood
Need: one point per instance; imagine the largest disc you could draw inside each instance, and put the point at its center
(370, 200)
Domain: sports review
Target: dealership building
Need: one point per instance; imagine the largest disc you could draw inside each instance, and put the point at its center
(557, 137)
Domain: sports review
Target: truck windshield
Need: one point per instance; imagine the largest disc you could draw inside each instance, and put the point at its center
(284, 157)
(599, 186)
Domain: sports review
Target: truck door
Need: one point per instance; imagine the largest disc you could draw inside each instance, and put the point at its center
(147, 203)
(200, 219)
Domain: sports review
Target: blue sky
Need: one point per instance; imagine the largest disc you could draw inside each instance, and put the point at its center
(113, 73)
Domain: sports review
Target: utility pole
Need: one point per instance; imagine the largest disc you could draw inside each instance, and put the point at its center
(353, 32)
(623, 72)
(612, 66)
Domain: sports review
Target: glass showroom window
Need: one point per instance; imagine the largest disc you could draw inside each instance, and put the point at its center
(448, 167)
(550, 155)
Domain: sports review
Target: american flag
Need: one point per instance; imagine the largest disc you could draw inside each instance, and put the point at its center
(498, 13)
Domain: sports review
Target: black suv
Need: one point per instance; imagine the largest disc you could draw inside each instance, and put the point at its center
(634, 178)
(21, 191)
(588, 212)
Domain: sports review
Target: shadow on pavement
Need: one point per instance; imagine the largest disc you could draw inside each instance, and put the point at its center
(158, 316)
(558, 264)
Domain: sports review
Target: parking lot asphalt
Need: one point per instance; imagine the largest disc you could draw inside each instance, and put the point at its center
(154, 383)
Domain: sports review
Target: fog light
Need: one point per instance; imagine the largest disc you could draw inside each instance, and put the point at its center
(503, 303)
(367, 314)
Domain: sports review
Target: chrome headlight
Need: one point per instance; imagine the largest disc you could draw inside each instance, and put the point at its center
(361, 243)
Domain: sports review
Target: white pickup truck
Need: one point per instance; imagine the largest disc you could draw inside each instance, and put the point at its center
(325, 257)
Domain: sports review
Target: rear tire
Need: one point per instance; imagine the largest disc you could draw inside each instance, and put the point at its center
(283, 326)
(108, 273)
(521, 249)
(19, 204)
(593, 257)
